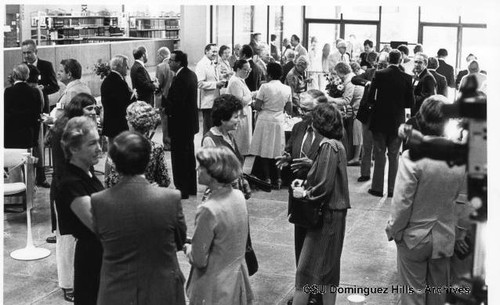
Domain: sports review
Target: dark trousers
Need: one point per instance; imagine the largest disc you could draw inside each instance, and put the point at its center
(88, 260)
(382, 143)
(207, 120)
(184, 164)
(366, 158)
(300, 236)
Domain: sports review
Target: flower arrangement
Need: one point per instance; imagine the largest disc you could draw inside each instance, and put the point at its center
(335, 86)
(102, 69)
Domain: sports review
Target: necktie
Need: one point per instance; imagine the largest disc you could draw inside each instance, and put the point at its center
(306, 146)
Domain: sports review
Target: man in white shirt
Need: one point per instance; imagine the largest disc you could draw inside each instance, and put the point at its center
(338, 56)
(209, 84)
(297, 47)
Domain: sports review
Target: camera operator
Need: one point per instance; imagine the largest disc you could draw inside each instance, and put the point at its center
(422, 221)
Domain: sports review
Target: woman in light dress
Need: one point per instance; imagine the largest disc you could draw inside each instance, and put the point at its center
(268, 141)
(238, 88)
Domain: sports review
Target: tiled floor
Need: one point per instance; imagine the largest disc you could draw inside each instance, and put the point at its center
(368, 260)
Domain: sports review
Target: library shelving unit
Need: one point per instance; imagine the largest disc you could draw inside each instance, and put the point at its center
(76, 29)
(154, 27)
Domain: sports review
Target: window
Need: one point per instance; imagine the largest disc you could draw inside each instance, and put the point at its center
(360, 12)
(242, 24)
(292, 22)
(323, 12)
(223, 25)
(434, 13)
(399, 23)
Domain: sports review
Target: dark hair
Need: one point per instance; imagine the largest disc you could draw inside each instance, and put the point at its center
(371, 57)
(220, 162)
(222, 49)
(74, 132)
(73, 109)
(239, 64)
(139, 52)
(318, 95)
(295, 37)
(72, 66)
(432, 63)
(181, 57)
(224, 107)
(247, 51)
(34, 74)
(368, 42)
(394, 57)
(209, 46)
(403, 49)
(273, 37)
(418, 48)
(442, 52)
(327, 120)
(430, 117)
(274, 70)
(130, 152)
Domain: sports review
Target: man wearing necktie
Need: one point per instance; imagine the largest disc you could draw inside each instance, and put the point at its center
(424, 83)
(300, 151)
(209, 84)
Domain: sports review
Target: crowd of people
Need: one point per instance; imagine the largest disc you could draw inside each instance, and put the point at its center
(303, 114)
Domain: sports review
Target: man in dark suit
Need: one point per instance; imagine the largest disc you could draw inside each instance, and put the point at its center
(441, 84)
(141, 81)
(300, 151)
(141, 227)
(48, 81)
(274, 48)
(115, 97)
(289, 65)
(181, 110)
(255, 76)
(445, 69)
(423, 82)
(391, 92)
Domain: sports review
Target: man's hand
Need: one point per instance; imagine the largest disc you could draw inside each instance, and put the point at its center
(220, 84)
(301, 163)
(41, 87)
(283, 160)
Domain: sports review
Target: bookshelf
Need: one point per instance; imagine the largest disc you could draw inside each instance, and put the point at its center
(75, 29)
(154, 27)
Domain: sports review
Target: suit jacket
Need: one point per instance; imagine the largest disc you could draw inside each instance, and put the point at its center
(254, 79)
(447, 71)
(361, 80)
(391, 92)
(423, 204)
(141, 228)
(164, 76)
(442, 85)
(115, 97)
(425, 86)
(22, 114)
(48, 80)
(181, 105)
(142, 82)
(294, 145)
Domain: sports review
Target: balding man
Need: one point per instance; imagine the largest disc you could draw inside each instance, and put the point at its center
(116, 95)
(164, 76)
(141, 81)
(424, 84)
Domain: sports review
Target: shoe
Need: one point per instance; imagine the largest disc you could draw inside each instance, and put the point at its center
(44, 184)
(69, 295)
(363, 178)
(353, 163)
(290, 302)
(375, 193)
(278, 184)
(51, 239)
(389, 194)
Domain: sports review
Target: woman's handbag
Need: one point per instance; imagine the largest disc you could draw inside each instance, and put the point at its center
(250, 257)
(305, 212)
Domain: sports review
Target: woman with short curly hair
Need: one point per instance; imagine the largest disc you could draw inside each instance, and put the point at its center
(143, 118)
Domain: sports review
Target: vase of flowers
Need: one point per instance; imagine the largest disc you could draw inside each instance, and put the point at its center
(334, 87)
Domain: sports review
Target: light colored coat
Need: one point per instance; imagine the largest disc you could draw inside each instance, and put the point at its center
(207, 74)
(424, 203)
(219, 274)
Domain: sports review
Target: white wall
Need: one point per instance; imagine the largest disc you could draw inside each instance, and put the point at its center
(195, 31)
